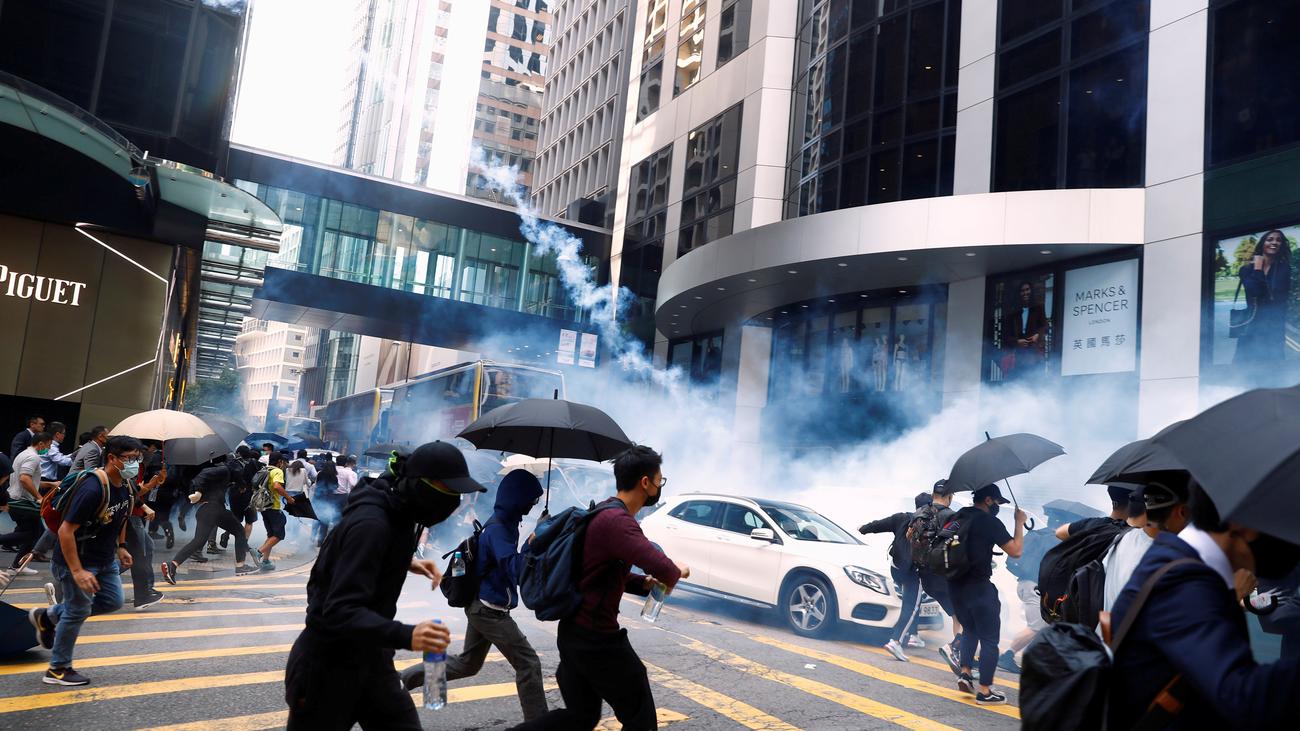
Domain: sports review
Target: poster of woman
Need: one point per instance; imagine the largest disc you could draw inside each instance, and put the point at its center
(1256, 308)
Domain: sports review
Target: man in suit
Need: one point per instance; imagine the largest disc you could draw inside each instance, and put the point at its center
(23, 439)
(1028, 331)
(1190, 641)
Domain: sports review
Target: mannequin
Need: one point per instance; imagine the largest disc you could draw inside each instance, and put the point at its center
(900, 363)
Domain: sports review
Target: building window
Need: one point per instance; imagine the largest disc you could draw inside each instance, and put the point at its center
(643, 239)
(690, 46)
(1070, 102)
(875, 103)
(652, 59)
(709, 183)
(733, 35)
(700, 357)
(1253, 104)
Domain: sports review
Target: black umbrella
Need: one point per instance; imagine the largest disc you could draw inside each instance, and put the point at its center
(300, 507)
(1134, 461)
(16, 633)
(549, 428)
(300, 440)
(386, 449)
(231, 431)
(195, 451)
(258, 438)
(1245, 453)
(998, 458)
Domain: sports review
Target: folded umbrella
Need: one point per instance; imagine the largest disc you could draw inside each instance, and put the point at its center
(1245, 454)
(17, 635)
(162, 424)
(300, 507)
(1134, 461)
(998, 458)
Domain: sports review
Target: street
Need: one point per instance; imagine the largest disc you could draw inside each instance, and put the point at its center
(212, 656)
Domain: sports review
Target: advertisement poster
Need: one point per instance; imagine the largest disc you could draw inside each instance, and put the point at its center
(1099, 324)
(1022, 333)
(587, 353)
(1256, 298)
(568, 345)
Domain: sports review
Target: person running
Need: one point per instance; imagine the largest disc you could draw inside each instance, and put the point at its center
(597, 662)
(138, 542)
(25, 490)
(340, 671)
(23, 439)
(90, 549)
(90, 455)
(54, 463)
(273, 517)
(490, 624)
(904, 573)
(210, 488)
(324, 498)
(243, 470)
(926, 524)
(975, 597)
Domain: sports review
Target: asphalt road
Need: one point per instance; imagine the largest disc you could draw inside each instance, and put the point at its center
(212, 655)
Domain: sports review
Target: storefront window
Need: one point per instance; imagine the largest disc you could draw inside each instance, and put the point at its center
(699, 357)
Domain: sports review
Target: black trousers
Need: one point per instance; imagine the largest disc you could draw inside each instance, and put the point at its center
(980, 612)
(331, 687)
(910, 582)
(27, 529)
(595, 667)
(210, 517)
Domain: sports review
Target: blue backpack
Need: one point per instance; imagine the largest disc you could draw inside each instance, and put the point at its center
(548, 582)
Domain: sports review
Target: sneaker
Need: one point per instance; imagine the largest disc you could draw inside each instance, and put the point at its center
(171, 540)
(225, 539)
(991, 698)
(180, 521)
(896, 650)
(40, 619)
(915, 642)
(950, 656)
(246, 568)
(267, 565)
(966, 683)
(1007, 662)
(169, 572)
(258, 554)
(148, 600)
(51, 596)
(25, 571)
(64, 676)
(199, 558)
(212, 549)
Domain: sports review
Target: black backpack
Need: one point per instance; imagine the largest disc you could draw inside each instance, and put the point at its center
(1060, 564)
(926, 523)
(461, 590)
(1066, 673)
(1086, 597)
(948, 556)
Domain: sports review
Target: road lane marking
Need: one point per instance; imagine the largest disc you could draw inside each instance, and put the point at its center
(186, 614)
(738, 711)
(664, 716)
(100, 662)
(187, 601)
(95, 639)
(844, 698)
(185, 587)
(871, 671)
(1002, 680)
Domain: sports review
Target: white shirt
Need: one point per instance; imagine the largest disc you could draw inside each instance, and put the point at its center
(347, 480)
(28, 462)
(1210, 553)
(1121, 561)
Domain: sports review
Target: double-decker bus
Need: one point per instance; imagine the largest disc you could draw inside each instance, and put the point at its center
(302, 425)
(354, 422)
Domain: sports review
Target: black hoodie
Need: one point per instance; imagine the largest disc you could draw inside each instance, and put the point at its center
(358, 576)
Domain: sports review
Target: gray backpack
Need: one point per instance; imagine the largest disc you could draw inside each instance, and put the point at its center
(262, 498)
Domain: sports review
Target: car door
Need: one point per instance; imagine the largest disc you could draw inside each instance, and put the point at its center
(689, 532)
(742, 565)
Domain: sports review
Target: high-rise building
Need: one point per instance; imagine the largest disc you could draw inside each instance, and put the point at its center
(270, 358)
(582, 121)
(429, 80)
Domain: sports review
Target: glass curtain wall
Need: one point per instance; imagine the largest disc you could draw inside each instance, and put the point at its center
(652, 59)
(874, 112)
(386, 249)
(643, 239)
(709, 186)
(1254, 101)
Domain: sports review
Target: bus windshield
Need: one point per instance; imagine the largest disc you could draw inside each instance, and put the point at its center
(504, 385)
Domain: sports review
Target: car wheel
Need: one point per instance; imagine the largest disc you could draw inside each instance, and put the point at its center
(808, 604)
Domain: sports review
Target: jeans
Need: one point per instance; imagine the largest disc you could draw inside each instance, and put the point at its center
(488, 627)
(77, 605)
(911, 601)
(980, 612)
(140, 545)
(45, 544)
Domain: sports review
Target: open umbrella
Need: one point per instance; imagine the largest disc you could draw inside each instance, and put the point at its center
(162, 424)
(998, 458)
(1071, 507)
(1133, 461)
(1245, 454)
(300, 440)
(549, 428)
(190, 451)
(534, 465)
(230, 431)
(258, 438)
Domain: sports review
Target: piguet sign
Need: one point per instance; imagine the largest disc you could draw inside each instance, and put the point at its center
(42, 289)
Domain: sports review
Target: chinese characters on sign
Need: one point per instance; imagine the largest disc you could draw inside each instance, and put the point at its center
(1100, 319)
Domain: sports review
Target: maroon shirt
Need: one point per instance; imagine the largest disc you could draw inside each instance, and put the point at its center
(614, 544)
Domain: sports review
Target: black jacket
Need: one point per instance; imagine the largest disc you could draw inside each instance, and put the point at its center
(212, 483)
(900, 551)
(358, 576)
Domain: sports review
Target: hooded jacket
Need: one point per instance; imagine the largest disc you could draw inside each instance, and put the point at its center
(499, 561)
(358, 576)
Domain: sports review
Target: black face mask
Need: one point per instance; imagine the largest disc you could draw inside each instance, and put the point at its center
(1274, 558)
(651, 500)
(994, 509)
(427, 505)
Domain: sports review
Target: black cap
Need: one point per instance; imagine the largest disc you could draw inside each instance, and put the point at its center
(990, 491)
(1160, 495)
(923, 499)
(941, 488)
(442, 462)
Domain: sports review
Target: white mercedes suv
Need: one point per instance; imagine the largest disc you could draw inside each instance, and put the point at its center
(782, 556)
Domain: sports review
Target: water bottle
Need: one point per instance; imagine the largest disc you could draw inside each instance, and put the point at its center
(654, 602)
(457, 564)
(435, 678)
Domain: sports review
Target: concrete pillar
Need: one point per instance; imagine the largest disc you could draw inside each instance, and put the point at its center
(753, 364)
(1171, 278)
(973, 170)
(963, 341)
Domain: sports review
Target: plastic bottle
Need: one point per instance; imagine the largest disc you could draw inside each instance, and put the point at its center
(457, 564)
(654, 602)
(435, 678)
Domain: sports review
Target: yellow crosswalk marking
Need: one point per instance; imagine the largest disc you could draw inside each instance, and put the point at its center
(186, 614)
(185, 587)
(856, 702)
(665, 717)
(187, 601)
(95, 639)
(935, 665)
(100, 662)
(738, 711)
(871, 671)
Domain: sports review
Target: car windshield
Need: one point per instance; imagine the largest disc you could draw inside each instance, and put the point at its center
(803, 524)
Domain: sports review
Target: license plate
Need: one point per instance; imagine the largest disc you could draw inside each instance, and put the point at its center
(929, 610)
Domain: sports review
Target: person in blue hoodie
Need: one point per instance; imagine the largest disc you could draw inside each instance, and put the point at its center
(490, 624)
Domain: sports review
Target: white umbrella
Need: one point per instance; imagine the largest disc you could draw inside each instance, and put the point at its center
(162, 424)
(538, 467)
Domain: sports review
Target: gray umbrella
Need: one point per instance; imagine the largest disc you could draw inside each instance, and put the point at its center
(998, 458)
(1245, 453)
(230, 431)
(1134, 461)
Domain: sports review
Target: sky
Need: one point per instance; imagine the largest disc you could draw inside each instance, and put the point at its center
(293, 78)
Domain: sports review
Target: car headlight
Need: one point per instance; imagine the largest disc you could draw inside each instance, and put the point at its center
(867, 578)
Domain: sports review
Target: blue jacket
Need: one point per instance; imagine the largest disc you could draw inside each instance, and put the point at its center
(1193, 625)
(499, 561)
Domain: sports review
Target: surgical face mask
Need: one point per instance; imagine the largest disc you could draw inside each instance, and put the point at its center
(1274, 558)
(130, 469)
(42, 451)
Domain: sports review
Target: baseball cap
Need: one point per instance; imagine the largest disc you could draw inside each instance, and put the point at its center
(941, 488)
(990, 491)
(923, 499)
(442, 462)
(1159, 495)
